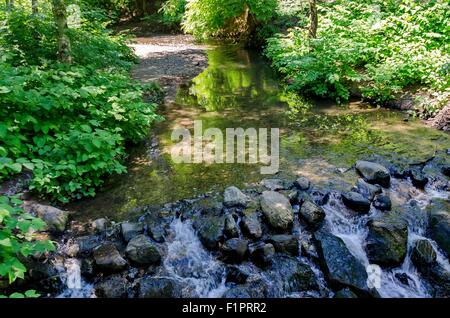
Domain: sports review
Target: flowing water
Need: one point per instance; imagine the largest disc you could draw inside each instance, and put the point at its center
(320, 140)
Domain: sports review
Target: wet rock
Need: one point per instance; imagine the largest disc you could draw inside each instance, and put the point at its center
(87, 267)
(387, 240)
(155, 287)
(284, 243)
(277, 210)
(418, 179)
(236, 275)
(87, 243)
(320, 197)
(446, 170)
(273, 184)
(210, 230)
(302, 183)
(41, 275)
(292, 195)
(403, 278)
(253, 289)
(308, 248)
(341, 268)
(156, 225)
(108, 258)
(367, 190)
(55, 219)
(296, 276)
(157, 232)
(261, 253)
(439, 224)
(131, 229)
(112, 287)
(142, 252)
(231, 228)
(374, 173)
(356, 202)
(100, 225)
(382, 202)
(345, 293)
(233, 197)
(251, 226)
(423, 255)
(234, 250)
(312, 214)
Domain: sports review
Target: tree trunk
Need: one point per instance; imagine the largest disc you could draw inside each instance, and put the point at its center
(313, 19)
(34, 6)
(60, 14)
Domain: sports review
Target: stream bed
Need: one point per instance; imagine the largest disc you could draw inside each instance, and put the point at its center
(180, 205)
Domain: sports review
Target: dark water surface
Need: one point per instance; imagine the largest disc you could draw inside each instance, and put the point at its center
(319, 139)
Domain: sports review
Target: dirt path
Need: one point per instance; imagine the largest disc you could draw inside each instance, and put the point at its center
(169, 59)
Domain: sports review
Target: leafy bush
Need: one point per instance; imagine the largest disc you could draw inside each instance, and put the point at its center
(376, 47)
(173, 11)
(17, 240)
(225, 18)
(67, 123)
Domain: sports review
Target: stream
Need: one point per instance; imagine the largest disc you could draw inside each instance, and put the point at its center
(319, 140)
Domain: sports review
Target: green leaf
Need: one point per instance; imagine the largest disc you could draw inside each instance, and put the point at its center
(4, 90)
(6, 242)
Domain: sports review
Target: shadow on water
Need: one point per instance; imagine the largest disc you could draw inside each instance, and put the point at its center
(238, 89)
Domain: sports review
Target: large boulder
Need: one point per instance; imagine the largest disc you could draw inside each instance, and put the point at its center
(108, 258)
(233, 197)
(277, 209)
(374, 173)
(312, 214)
(142, 252)
(210, 229)
(285, 243)
(55, 219)
(341, 267)
(439, 223)
(293, 275)
(251, 226)
(131, 229)
(112, 287)
(356, 202)
(387, 240)
(234, 250)
(158, 287)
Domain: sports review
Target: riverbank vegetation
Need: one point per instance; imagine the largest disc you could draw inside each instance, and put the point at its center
(66, 111)
(69, 106)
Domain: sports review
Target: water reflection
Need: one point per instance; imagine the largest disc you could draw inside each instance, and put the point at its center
(238, 89)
